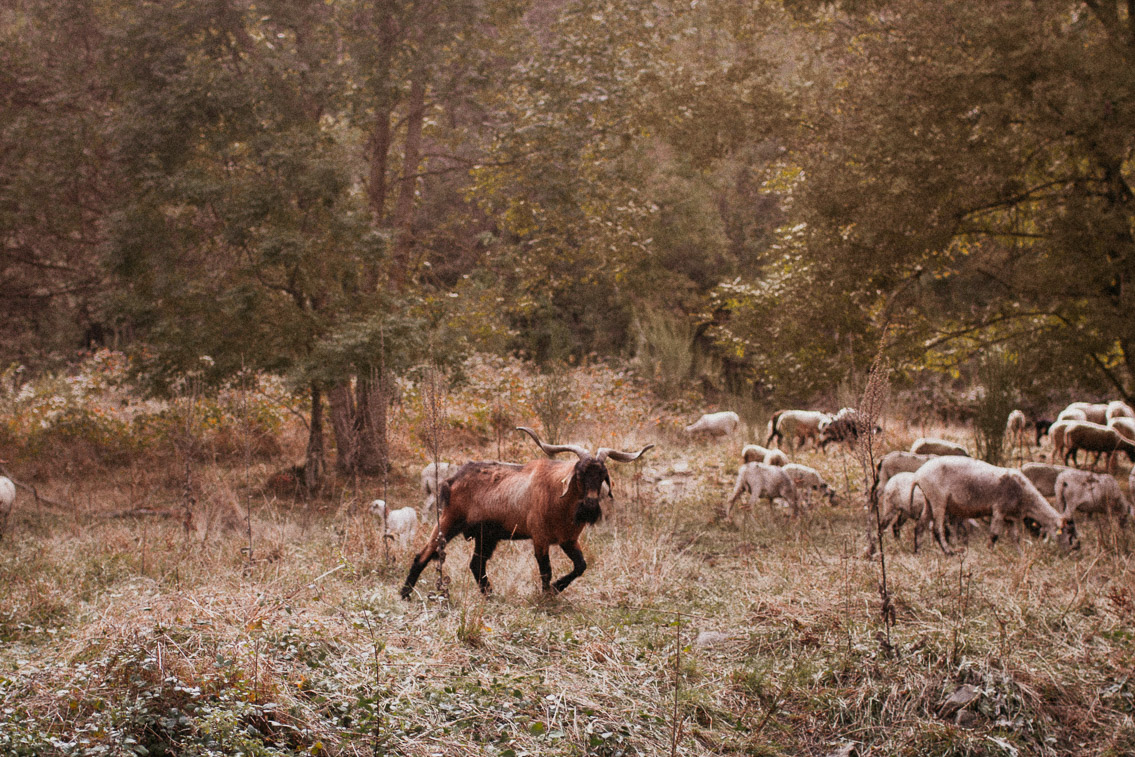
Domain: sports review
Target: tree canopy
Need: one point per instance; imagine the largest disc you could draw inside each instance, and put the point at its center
(297, 186)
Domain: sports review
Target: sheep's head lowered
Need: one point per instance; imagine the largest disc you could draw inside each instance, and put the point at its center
(588, 475)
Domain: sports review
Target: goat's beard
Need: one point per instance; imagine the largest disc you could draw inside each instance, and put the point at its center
(588, 511)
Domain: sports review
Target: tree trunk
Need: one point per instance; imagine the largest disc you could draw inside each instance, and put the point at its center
(358, 415)
(407, 184)
(370, 426)
(343, 421)
(314, 466)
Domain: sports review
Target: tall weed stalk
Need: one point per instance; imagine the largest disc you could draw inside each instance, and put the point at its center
(433, 406)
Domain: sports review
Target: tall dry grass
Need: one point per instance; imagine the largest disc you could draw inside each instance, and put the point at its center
(309, 649)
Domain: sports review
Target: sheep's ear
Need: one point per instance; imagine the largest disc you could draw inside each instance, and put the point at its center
(610, 488)
(567, 483)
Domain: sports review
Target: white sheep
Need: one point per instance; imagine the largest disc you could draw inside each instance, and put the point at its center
(715, 424)
(793, 427)
(899, 501)
(400, 523)
(961, 487)
(1093, 437)
(809, 480)
(763, 482)
(754, 453)
(1015, 428)
(1056, 436)
(7, 498)
(1043, 476)
(1124, 425)
(1119, 409)
(926, 446)
(1093, 412)
(1079, 491)
(432, 477)
(775, 457)
(893, 463)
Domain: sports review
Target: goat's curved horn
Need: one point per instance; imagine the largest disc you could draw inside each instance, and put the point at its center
(621, 457)
(555, 449)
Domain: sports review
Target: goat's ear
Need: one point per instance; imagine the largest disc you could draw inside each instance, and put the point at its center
(567, 483)
(610, 487)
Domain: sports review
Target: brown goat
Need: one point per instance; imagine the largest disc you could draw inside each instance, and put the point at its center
(547, 501)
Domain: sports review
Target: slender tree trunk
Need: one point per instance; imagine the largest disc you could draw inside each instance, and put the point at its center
(343, 421)
(314, 466)
(407, 184)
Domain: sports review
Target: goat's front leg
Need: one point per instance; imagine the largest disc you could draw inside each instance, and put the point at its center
(544, 564)
(578, 565)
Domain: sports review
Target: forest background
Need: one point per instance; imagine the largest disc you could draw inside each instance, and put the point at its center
(742, 196)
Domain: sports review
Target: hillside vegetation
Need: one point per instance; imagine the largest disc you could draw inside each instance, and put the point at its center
(158, 599)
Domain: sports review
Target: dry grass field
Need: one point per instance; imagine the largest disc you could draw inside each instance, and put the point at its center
(265, 626)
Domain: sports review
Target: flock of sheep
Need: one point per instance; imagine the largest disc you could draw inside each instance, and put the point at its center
(937, 484)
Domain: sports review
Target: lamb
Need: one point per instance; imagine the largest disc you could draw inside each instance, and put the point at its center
(7, 499)
(927, 446)
(899, 501)
(1092, 437)
(763, 482)
(400, 524)
(961, 487)
(715, 424)
(1082, 492)
(809, 480)
(1043, 476)
(547, 501)
(893, 463)
(793, 427)
(432, 476)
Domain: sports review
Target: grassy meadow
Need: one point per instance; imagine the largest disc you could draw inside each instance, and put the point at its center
(157, 599)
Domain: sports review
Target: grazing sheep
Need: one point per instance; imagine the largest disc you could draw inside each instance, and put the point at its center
(892, 463)
(899, 501)
(7, 498)
(961, 487)
(1119, 409)
(809, 480)
(1078, 491)
(763, 482)
(754, 453)
(1056, 436)
(1015, 428)
(1093, 412)
(715, 424)
(400, 524)
(793, 427)
(547, 501)
(927, 446)
(1042, 425)
(1092, 437)
(1124, 425)
(1043, 476)
(775, 457)
(432, 477)
(846, 426)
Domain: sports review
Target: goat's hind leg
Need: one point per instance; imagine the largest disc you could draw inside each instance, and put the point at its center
(483, 548)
